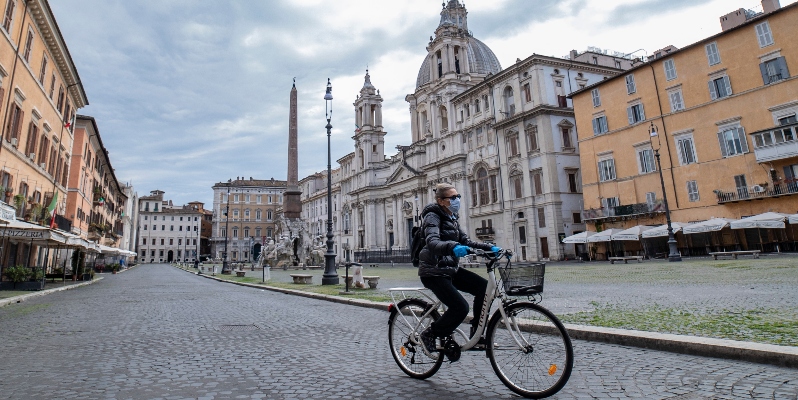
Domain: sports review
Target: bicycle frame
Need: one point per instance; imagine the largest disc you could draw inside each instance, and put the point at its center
(494, 291)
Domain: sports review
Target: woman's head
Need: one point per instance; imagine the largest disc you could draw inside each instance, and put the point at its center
(446, 195)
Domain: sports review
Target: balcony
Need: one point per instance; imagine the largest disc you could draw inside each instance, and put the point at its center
(776, 143)
(625, 212)
(757, 192)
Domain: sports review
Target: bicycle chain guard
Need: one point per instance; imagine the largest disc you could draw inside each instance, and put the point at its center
(451, 349)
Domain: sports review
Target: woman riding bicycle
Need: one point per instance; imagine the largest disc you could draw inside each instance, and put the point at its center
(438, 265)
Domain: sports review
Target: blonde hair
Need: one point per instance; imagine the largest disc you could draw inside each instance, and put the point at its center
(441, 189)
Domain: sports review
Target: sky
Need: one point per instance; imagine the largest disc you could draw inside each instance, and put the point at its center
(189, 93)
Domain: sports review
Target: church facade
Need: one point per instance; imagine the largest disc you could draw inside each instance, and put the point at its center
(504, 137)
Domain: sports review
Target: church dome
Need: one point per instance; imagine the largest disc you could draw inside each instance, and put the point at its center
(481, 60)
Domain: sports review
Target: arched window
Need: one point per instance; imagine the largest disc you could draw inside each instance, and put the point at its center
(509, 101)
(483, 187)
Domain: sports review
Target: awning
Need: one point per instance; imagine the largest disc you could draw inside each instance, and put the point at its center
(712, 225)
(603, 236)
(793, 219)
(109, 250)
(662, 230)
(632, 233)
(767, 220)
(20, 231)
(579, 237)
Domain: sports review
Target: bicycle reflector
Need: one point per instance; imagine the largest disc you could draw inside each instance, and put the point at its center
(390, 307)
(552, 369)
(403, 351)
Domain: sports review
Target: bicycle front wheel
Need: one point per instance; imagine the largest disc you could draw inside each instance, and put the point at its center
(530, 350)
(404, 328)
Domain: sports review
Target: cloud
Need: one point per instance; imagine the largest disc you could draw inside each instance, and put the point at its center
(643, 10)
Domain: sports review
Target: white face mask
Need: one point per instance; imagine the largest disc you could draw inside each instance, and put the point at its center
(454, 205)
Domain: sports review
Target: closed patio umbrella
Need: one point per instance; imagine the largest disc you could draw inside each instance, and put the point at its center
(771, 220)
(662, 230)
(632, 233)
(712, 225)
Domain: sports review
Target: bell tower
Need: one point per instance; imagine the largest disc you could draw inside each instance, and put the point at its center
(369, 136)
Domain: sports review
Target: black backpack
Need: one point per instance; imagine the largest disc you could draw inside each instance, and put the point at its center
(417, 243)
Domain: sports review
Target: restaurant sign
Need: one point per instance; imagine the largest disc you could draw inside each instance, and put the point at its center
(20, 233)
(7, 212)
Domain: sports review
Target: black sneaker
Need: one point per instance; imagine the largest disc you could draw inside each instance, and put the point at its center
(428, 341)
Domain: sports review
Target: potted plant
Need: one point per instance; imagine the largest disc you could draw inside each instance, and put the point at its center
(17, 274)
(36, 212)
(114, 268)
(19, 201)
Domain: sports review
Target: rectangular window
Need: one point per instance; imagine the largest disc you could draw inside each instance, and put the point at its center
(517, 187)
(28, 46)
(522, 234)
(541, 217)
(600, 125)
(686, 150)
(713, 56)
(692, 190)
(527, 93)
(494, 191)
(677, 103)
(670, 70)
(610, 202)
(763, 34)
(732, 142)
(566, 138)
(9, 15)
(577, 218)
(720, 88)
(774, 70)
(532, 139)
(537, 181)
(606, 170)
(572, 183)
(636, 114)
(645, 160)
(43, 70)
(596, 97)
(742, 186)
(630, 84)
(474, 193)
(651, 199)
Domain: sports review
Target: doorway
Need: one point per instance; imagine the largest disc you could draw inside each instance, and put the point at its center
(170, 256)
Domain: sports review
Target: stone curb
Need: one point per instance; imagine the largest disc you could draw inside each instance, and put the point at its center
(19, 299)
(784, 356)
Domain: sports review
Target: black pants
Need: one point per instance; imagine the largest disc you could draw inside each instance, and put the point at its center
(446, 290)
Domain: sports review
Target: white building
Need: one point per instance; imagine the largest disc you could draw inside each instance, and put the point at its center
(129, 219)
(504, 137)
(168, 233)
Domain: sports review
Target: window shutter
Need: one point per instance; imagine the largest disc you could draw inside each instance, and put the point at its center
(595, 127)
(743, 139)
(782, 64)
(763, 69)
(727, 82)
(19, 125)
(722, 142)
(713, 93)
(642, 113)
(631, 115)
(788, 172)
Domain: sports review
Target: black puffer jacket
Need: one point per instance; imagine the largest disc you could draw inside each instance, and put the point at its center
(443, 233)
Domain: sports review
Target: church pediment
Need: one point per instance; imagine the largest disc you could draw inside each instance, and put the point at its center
(401, 171)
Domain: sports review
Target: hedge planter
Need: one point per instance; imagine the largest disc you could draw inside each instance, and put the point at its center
(22, 286)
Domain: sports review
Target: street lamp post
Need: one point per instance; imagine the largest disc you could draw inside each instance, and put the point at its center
(226, 226)
(330, 276)
(673, 251)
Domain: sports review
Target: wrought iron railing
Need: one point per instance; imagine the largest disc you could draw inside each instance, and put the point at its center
(624, 210)
(757, 192)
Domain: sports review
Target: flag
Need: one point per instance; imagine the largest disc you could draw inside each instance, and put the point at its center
(357, 128)
(51, 210)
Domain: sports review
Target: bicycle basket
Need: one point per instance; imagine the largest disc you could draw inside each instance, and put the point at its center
(523, 279)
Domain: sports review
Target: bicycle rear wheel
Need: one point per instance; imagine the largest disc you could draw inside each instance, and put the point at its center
(406, 347)
(534, 357)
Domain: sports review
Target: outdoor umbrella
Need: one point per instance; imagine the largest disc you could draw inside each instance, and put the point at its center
(632, 233)
(712, 225)
(793, 219)
(662, 230)
(603, 236)
(579, 237)
(770, 220)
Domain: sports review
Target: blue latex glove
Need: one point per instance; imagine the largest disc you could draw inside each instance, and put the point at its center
(496, 249)
(460, 250)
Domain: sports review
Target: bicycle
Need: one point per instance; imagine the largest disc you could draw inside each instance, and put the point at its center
(528, 347)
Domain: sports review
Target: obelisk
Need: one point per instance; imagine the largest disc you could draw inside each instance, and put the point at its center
(292, 204)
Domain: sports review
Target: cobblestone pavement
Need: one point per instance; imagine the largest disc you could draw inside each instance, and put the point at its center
(158, 332)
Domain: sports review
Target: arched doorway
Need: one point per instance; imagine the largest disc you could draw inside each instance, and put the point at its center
(170, 256)
(256, 251)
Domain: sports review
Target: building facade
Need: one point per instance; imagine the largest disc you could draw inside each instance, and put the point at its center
(724, 110)
(40, 91)
(504, 137)
(168, 233)
(252, 206)
(96, 201)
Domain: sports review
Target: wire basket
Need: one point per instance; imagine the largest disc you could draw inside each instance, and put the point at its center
(523, 279)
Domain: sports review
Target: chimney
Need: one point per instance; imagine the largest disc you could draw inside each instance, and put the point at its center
(768, 6)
